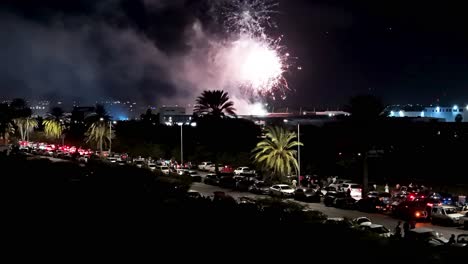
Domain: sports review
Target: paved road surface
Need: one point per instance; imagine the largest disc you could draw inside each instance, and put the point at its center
(385, 220)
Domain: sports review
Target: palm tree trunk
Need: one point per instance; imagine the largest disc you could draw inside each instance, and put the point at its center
(100, 144)
(27, 131)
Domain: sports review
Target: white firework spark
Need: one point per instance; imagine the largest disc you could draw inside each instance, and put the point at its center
(258, 60)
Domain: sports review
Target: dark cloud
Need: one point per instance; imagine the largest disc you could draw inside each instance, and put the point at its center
(154, 50)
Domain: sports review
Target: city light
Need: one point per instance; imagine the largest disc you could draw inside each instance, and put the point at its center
(392, 113)
(455, 107)
(437, 109)
(422, 113)
(402, 114)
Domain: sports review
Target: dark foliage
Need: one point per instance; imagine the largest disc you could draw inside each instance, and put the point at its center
(111, 207)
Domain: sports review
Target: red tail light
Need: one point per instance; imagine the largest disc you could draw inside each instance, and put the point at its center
(430, 204)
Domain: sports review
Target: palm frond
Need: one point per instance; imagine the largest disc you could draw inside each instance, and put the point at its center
(276, 152)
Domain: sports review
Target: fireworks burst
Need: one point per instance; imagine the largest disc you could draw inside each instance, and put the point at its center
(258, 60)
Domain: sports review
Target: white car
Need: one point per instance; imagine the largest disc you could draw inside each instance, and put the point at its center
(281, 190)
(112, 159)
(152, 166)
(139, 163)
(181, 171)
(464, 221)
(244, 170)
(164, 169)
(212, 168)
(337, 184)
(445, 214)
(204, 165)
(379, 230)
(356, 190)
(361, 220)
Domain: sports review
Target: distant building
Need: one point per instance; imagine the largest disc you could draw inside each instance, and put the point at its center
(170, 115)
(439, 113)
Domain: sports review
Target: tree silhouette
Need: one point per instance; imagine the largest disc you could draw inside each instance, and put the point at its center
(365, 108)
(214, 104)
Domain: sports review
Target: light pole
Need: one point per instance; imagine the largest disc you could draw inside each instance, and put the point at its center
(110, 135)
(299, 153)
(181, 144)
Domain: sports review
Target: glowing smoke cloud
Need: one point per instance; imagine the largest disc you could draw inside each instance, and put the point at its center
(246, 63)
(257, 60)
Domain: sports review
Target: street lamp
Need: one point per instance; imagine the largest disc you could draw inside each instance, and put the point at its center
(110, 132)
(299, 153)
(110, 135)
(181, 144)
(298, 150)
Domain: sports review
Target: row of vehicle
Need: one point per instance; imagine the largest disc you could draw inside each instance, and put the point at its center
(400, 207)
(211, 167)
(338, 196)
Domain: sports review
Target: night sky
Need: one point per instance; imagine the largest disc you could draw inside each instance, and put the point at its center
(404, 51)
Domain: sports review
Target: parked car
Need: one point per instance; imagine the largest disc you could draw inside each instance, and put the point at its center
(152, 166)
(112, 159)
(371, 205)
(164, 169)
(245, 170)
(181, 171)
(192, 194)
(226, 169)
(195, 176)
(259, 187)
(344, 202)
(464, 221)
(330, 197)
(359, 220)
(445, 214)
(203, 166)
(212, 168)
(337, 184)
(211, 179)
(307, 195)
(227, 182)
(243, 184)
(354, 188)
(426, 236)
(139, 163)
(281, 190)
(409, 210)
(379, 230)
(328, 189)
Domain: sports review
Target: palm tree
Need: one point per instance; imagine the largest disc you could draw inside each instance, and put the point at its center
(98, 132)
(25, 126)
(215, 104)
(99, 127)
(53, 124)
(276, 153)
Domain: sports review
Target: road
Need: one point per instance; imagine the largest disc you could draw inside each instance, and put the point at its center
(382, 219)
